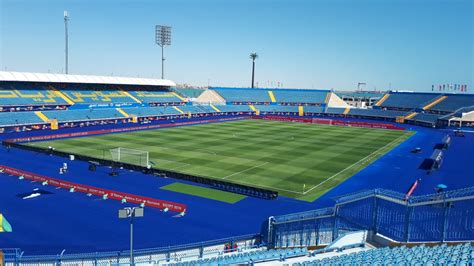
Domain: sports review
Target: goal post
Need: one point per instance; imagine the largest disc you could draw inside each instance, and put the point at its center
(131, 156)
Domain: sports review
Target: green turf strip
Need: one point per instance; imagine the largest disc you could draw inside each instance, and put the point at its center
(275, 155)
(203, 192)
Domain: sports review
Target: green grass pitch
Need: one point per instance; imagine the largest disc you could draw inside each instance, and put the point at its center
(203, 192)
(298, 160)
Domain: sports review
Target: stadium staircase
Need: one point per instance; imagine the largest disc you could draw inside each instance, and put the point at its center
(347, 110)
(179, 97)
(42, 116)
(272, 96)
(328, 97)
(60, 94)
(178, 109)
(215, 108)
(411, 115)
(435, 102)
(382, 100)
(120, 110)
(131, 96)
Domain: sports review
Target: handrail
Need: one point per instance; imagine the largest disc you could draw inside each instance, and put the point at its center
(396, 197)
(118, 254)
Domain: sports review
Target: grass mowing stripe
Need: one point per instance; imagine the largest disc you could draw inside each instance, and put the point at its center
(203, 192)
(271, 154)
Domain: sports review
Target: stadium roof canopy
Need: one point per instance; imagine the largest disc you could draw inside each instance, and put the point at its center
(62, 78)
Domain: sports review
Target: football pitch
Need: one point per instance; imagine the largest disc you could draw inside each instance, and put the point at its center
(298, 160)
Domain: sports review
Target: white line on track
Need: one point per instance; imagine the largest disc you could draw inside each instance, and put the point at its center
(350, 166)
(248, 169)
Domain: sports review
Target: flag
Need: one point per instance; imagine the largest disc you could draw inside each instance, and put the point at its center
(411, 189)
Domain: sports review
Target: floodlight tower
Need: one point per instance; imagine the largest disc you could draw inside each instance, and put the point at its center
(163, 38)
(66, 19)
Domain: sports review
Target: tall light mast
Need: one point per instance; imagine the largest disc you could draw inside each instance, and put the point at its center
(163, 38)
(66, 19)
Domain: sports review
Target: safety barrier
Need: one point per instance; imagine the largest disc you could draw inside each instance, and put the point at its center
(446, 216)
(14, 256)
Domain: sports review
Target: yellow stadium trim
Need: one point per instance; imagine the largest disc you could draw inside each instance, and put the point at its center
(300, 110)
(346, 111)
(435, 102)
(253, 108)
(215, 108)
(64, 97)
(131, 96)
(411, 115)
(5, 226)
(120, 110)
(179, 96)
(42, 116)
(272, 96)
(328, 96)
(382, 100)
(179, 110)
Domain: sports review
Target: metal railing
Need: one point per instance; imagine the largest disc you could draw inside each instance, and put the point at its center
(440, 217)
(14, 256)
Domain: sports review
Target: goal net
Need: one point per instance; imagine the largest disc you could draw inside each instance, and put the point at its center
(131, 156)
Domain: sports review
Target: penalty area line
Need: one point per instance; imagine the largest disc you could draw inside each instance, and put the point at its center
(356, 163)
(248, 169)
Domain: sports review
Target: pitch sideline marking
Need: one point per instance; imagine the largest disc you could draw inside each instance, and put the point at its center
(350, 166)
(245, 170)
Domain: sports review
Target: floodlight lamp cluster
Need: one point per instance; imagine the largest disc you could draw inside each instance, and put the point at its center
(163, 35)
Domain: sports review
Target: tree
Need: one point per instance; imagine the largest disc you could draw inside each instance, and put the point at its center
(253, 56)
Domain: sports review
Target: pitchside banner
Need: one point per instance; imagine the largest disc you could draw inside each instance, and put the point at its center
(111, 194)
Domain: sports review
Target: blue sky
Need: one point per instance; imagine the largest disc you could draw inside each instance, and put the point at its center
(402, 44)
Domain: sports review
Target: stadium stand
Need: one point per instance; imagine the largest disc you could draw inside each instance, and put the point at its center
(454, 102)
(156, 97)
(241, 95)
(151, 111)
(462, 254)
(83, 115)
(426, 118)
(407, 100)
(336, 111)
(234, 108)
(97, 97)
(248, 257)
(301, 96)
(196, 109)
(19, 97)
(376, 113)
(277, 108)
(19, 118)
(189, 92)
